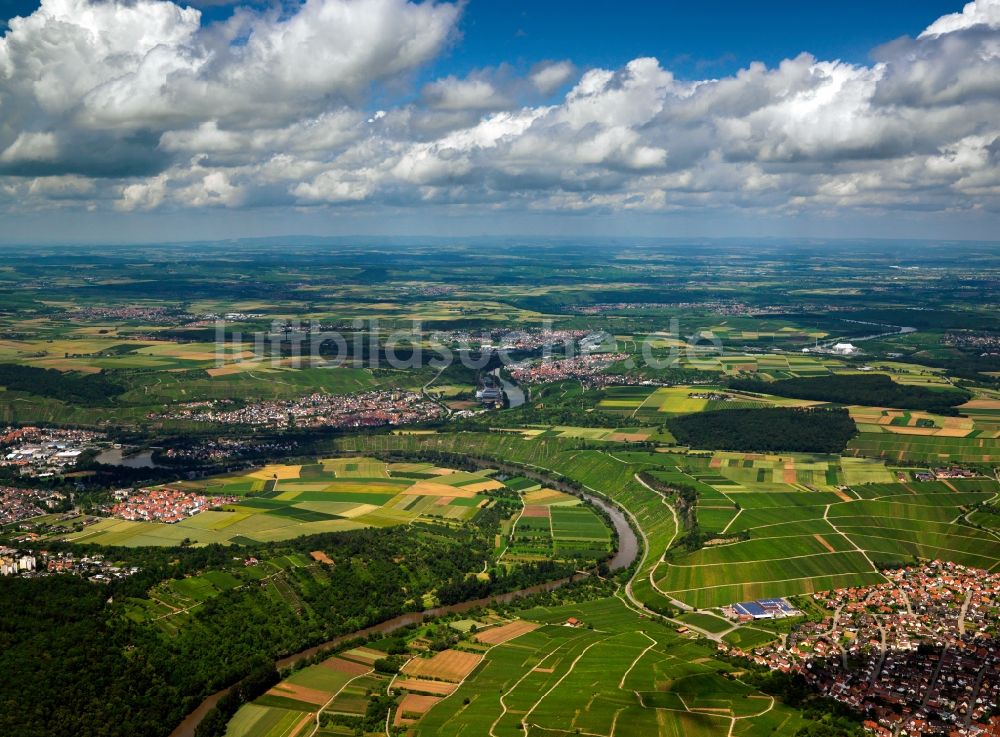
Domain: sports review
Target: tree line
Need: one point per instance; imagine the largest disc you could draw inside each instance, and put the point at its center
(872, 390)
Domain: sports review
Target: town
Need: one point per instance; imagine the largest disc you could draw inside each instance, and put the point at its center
(367, 409)
(19, 504)
(36, 564)
(163, 504)
(516, 340)
(588, 369)
(916, 655)
(45, 452)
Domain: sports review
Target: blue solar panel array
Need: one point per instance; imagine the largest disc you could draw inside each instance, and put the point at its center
(762, 607)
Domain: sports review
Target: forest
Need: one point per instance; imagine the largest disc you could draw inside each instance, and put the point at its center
(84, 389)
(763, 430)
(93, 671)
(872, 390)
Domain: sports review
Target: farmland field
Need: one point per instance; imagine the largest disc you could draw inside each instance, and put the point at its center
(893, 446)
(280, 502)
(638, 676)
(216, 369)
(801, 542)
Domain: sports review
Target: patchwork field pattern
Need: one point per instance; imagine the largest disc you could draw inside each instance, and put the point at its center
(279, 502)
(620, 435)
(657, 404)
(554, 524)
(806, 541)
(337, 685)
(636, 677)
(938, 448)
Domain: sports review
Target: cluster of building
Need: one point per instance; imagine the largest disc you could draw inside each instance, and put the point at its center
(515, 340)
(837, 349)
(14, 562)
(211, 318)
(163, 504)
(150, 315)
(18, 504)
(917, 655)
(490, 391)
(988, 344)
(711, 396)
(748, 611)
(33, 564)
(43, 452)
(367, 409)
(222, 449)
(719, 308)
(587, 369)
(948, 472)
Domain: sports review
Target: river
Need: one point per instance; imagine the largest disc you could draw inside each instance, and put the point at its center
(117, 457)
(515, 394)
(628, 549)
(895, 330)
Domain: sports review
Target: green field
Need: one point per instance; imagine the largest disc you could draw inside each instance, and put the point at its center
(801, 542)
(626, 676)
(333, 495)
(925, 448)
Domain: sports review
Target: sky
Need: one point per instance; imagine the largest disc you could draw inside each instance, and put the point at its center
(150, 120)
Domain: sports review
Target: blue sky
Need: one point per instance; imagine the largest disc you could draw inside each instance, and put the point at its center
(697, 39)
(693, 38)
(368, 116)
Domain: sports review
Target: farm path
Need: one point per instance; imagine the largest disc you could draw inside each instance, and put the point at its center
(388, 690)
(563, 677)
(513, 530)
(323, 708)
(503, 703)
(425, 390)
(826, 518)
(642, 404)
(758, 560)
(770, 706)
(652, 644)
(736, 517)
(677, 529)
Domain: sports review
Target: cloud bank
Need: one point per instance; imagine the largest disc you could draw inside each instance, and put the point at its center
(137, 105)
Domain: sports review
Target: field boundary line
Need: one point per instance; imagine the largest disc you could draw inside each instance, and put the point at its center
(331, 699)
(856, 546)
(930, 532)
(774, 580)
(621, 683)
(503, 704)
(641, 404)
(776, 537)
(932, 547)
(735, 517)
(513, 528)
(762, 560)
(563, 677)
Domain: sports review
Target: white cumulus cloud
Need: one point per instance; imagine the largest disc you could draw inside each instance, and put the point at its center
(142, 104)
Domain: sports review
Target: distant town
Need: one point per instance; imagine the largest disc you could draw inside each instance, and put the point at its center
(45, 451)
(367, 409)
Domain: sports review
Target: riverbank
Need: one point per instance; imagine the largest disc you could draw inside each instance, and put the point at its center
(625, 554)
